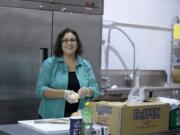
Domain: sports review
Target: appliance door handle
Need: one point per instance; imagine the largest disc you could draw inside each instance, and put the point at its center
(43, 54)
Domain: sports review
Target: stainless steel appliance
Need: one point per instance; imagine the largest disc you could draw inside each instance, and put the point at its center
(28, 29)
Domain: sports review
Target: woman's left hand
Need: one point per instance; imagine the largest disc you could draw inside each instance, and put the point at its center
(85, 92)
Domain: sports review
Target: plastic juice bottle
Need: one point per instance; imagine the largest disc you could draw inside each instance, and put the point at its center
(87, 117)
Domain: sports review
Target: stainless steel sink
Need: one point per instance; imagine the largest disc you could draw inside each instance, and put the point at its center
(153, 81)
(123, 78)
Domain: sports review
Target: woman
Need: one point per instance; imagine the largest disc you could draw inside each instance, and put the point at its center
(65, 80)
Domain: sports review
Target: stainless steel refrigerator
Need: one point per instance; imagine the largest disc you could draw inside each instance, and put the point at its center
(28, 29)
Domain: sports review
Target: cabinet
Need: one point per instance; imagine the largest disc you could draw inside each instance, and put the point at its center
(175, 52)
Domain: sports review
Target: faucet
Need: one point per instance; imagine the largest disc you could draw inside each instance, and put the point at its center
(131, 76)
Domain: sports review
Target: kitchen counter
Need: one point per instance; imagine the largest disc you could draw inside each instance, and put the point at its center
(122, 90)
(17, 129)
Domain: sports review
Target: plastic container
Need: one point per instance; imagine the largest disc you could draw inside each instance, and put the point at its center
(136, 94)
(75, 125)
(176, 75)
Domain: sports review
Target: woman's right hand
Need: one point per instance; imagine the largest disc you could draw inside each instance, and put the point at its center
(71, 96)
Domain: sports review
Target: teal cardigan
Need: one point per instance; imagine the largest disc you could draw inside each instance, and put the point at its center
(54, 74)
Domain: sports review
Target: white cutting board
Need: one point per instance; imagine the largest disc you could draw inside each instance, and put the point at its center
(46, 128)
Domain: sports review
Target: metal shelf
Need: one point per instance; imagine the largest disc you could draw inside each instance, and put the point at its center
(176, 46)
(176, 40)
(175, 64)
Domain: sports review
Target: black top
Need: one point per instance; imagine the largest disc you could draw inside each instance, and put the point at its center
(73, 84)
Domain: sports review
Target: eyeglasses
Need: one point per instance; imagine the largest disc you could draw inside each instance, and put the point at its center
(72, 40)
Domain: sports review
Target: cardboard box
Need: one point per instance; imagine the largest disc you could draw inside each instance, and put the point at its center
(132, 119)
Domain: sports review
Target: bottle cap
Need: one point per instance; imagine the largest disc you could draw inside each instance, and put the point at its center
(87, 104)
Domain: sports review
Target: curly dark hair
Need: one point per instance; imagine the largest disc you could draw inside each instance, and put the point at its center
(58, 45)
